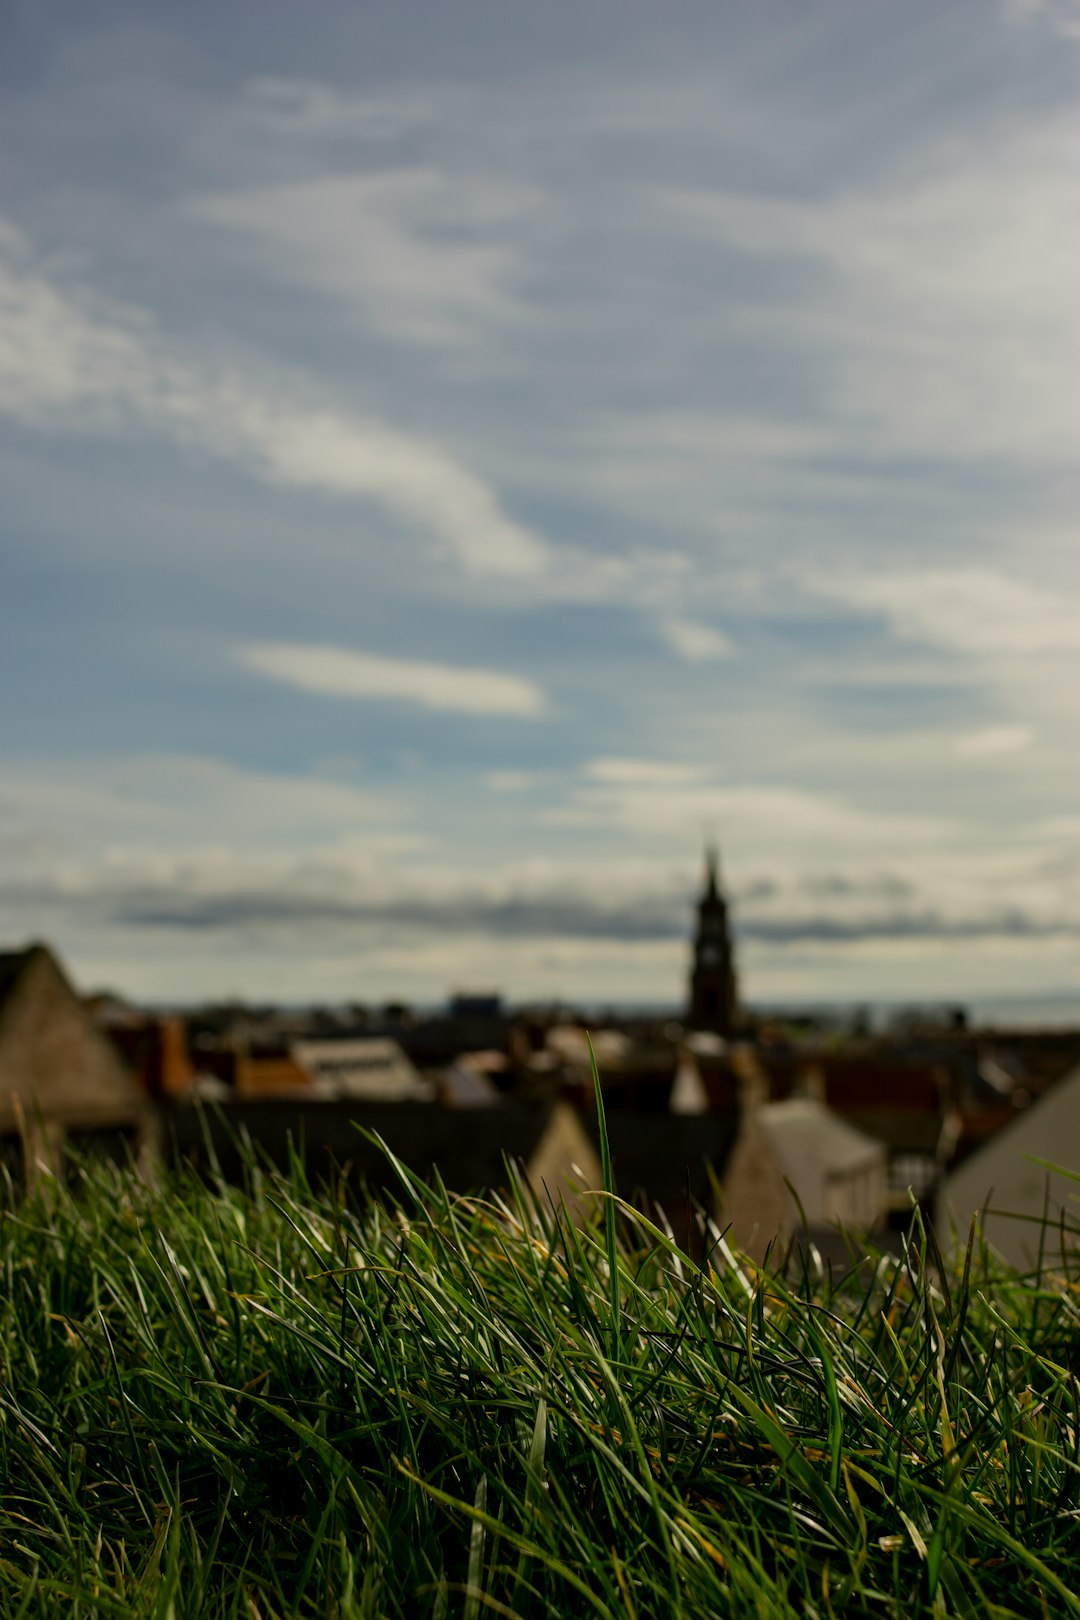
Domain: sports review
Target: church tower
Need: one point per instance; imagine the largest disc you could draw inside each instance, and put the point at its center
(714, 1000)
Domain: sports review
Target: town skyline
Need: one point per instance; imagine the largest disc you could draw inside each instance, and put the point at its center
(455, 466)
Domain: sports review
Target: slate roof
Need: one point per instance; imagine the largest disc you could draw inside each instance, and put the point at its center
(466, 1145)
(368, 1069)
(77, 1081)
(804, 1131)
(12, 964)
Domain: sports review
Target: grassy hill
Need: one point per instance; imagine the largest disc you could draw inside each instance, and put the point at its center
(260, 1402)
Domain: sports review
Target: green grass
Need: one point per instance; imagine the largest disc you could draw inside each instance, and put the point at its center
(264, 1402)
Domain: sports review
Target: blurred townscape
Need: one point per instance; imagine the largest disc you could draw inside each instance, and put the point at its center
(720, 1120)
(461, 463)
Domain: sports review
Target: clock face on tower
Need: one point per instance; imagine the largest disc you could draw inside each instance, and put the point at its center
(710, 956)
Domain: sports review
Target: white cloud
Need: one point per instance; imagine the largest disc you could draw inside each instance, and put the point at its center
(665, 804)
(972, 610)
(642, 772)
(339, 672)
(941, 318)
(317, 449)
(57, 352)
(993, 741)
(68, 362)
(161, 801)
(414, 253)
(698, 643)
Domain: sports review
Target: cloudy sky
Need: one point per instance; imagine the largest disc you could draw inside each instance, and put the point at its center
(456, 458)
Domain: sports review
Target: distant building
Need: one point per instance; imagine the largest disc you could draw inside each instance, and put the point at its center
(714, 1000)
(472, 1149)
(265, 1072)
(709, 1074)
(688, 1094)
(472, 1080)
(367, 1069)
(153, 1047)
(764, 1171)
(905, 1104)
(1007, 1186)
(63, 1084)
(475, 1004)
(794, 1162)
(473, 1024)
(636, 1073)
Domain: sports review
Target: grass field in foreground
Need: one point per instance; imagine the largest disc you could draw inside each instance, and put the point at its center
(262, 1402)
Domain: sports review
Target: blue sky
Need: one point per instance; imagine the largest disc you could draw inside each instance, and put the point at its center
(455, 459)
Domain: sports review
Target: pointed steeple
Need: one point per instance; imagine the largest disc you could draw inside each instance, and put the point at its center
(712, 872)
(713, 990)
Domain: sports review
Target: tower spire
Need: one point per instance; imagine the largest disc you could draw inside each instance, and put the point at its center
(713, 989)
(712, 870)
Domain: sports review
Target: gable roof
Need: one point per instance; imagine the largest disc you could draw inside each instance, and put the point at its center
(803, 1131)
(54, 1061)
(12, 966)
(364, 1069)
(1012, 1169)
